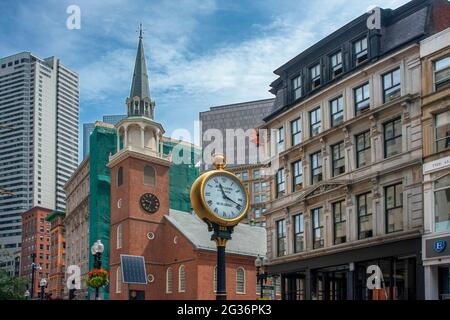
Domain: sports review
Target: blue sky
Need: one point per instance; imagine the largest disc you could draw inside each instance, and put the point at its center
(200, 53)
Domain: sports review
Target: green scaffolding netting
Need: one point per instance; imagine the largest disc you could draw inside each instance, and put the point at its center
(102, 144)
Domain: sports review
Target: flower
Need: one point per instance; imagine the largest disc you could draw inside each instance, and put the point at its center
(97, 278)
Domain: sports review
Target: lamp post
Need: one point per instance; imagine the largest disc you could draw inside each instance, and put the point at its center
(261, 272)
(43, 285)
(34, 267)
(97, 250)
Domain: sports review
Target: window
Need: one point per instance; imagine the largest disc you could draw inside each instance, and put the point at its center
(245, 175)
(338, 160)
(336, 64)
(256, 174)
(318, 240)
(442, 124)
(315, 123)
(240, 280)
(149, 176)
(441, 73)
(392, 137)
(182, 279)
(280, 139)
(296, 131)
(337, 111)
(297, 175)
(120, 176)
(281, 185)
(339, 219)
(299, 233)
(281, 237)
(363, 149)
(316, 167)
(394, 208)
(169, 280)
(360, 50)
(442, 204)
(118, 280)
(364, 208)
(362, 98)
(391, 85)
(297, 87)
(315, 76)
(119, 236)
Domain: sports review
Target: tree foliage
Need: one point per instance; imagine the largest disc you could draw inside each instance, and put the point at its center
(12, 288)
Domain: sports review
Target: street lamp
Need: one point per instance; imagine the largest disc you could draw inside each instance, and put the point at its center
(97, 250)
(43, 285)
(261, 272)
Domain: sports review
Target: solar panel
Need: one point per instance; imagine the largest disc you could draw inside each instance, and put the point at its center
(133, 269)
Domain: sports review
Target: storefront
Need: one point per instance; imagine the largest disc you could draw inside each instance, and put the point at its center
(344, 275)
(436, 239)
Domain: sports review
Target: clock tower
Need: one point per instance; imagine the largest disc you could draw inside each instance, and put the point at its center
(139, 179)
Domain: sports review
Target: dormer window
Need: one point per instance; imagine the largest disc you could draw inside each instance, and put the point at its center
(360, 50)
(336, 64)
(297, 87)
(315, 76)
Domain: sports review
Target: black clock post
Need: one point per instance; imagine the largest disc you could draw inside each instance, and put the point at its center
(221, 235)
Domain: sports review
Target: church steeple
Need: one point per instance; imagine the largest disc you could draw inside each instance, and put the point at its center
(139, 103)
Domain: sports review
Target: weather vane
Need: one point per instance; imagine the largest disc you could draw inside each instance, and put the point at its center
(141, 30)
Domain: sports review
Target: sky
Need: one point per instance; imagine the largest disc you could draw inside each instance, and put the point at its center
(200, 53)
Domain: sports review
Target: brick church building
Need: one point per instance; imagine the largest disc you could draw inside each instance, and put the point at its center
(180, 258)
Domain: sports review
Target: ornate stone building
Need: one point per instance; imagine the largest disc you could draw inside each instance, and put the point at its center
(76, 223)
(435, 56)
(346, 161)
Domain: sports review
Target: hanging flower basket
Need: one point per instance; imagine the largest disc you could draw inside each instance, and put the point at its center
(97, 278)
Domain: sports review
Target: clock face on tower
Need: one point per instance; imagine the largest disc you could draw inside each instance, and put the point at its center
(224, 196)
(149, 202)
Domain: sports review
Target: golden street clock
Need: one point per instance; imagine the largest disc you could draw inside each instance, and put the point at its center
(149, 202)
(219, 196)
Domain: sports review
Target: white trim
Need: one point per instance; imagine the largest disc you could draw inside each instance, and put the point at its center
(244, 280)
(182, 268)
(169, 269)
(118, 280)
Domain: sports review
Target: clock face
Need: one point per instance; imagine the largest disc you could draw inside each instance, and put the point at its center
(149, 202)
(225, 196)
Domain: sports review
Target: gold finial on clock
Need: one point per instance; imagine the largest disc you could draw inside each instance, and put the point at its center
(219, 161)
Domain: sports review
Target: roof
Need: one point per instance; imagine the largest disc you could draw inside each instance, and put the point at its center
(139, 86)
(246, 240)
(53, 215)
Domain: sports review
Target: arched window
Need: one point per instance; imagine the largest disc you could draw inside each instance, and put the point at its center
(215, 279)
(149, 176)
(118, 280)
(119, 236)
(182, 279)
(169, 280)
(120, 177)
(240, 280)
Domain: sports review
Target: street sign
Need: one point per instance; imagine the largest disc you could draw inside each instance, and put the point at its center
(268, 292)
(133, 269)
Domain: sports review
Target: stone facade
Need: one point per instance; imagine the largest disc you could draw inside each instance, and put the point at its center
(347, 194)
(76, 223)
(435, 57)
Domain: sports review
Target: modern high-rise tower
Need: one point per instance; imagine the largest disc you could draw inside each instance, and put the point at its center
(39, 111)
